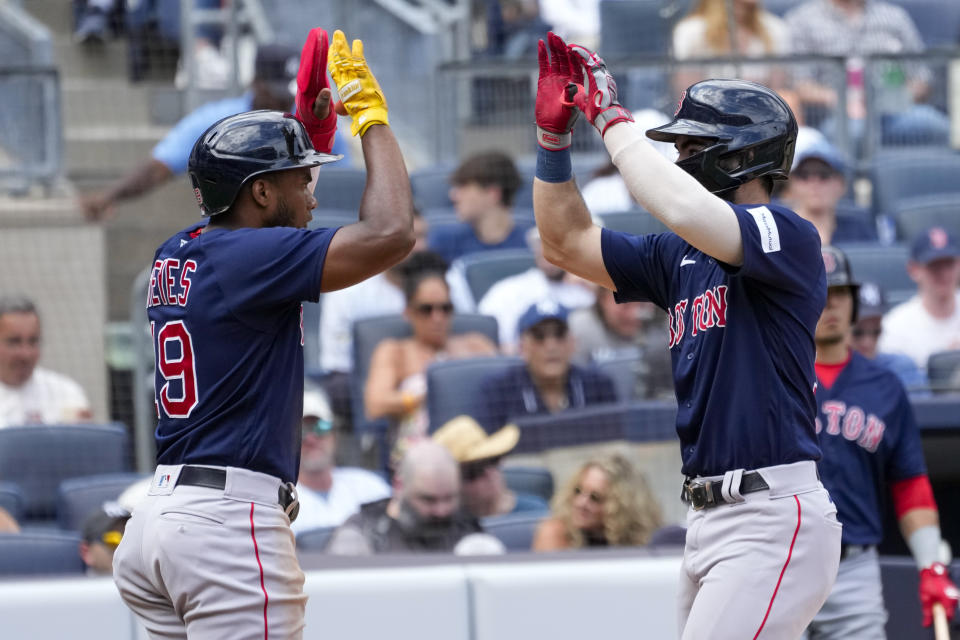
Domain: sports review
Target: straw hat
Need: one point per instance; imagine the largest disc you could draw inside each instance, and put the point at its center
(468, 442)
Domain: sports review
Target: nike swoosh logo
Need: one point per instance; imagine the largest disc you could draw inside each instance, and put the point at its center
(685, 261)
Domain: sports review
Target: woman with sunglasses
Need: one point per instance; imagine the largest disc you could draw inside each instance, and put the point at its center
(396, 386)
(605, 503)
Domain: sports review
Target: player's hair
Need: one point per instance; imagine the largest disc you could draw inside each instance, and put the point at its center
(630, 513)
(16, 303)
(717, 32)
(490, 168)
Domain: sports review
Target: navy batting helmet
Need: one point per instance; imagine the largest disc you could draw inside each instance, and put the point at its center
(839, 274)
(239, 147)
(752, 129)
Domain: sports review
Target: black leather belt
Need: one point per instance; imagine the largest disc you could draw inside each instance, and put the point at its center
(217, 479)
(706, 495)
(851, 550)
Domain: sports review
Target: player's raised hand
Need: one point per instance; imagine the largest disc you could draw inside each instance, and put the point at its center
(937, 588)
(598, 98)
(360, 93)
(556, 85)
(313, 94)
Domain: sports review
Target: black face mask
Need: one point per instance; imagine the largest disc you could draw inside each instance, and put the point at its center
(427, 529)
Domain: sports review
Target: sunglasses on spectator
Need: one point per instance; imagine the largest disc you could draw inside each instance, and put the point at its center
(862, 333)
(594, 497)
(427, 308)
(824, 173)
(542, 332)
(473, 470)
(316, 426)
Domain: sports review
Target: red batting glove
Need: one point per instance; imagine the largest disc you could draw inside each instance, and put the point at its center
(311, 79)
(598, 98)
(555, 112)
(937, 588)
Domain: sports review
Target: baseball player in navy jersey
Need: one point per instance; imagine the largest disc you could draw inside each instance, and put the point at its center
(209, 553)
(870, 443)
(742, 282)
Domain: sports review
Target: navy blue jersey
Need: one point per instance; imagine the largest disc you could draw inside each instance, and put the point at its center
(511, 394)
(869, 436)
(741, 339)
(459, 239)
(224, 309)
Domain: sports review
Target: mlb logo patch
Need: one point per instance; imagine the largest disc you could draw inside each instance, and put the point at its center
(163, 480)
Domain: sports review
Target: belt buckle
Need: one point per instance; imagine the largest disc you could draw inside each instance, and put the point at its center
(289, 502)
(698, 495)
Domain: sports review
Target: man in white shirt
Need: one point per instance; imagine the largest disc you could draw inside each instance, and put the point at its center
(30, 394)
(930, 321)
(328, 494)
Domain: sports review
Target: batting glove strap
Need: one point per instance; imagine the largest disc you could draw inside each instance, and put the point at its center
(937, 588)
(611, 116)
(553, 141)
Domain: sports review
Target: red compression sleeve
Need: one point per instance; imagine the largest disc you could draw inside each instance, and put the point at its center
(912, 493)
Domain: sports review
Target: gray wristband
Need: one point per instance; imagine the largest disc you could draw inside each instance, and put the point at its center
(553, 141)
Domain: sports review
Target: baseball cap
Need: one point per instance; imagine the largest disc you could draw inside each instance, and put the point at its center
(276, 65)
(540, 311)
(105, 525)
(821, 150)
(468, 442)
(932, 244)
(317, 414)
(873, 302)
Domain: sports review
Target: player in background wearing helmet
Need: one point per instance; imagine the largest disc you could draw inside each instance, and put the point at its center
(743, 284)
(870, 443)
(209, 553)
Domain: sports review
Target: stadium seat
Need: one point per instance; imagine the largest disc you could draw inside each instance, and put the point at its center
(485, 268)
(630, 27)
(40, 553)
(78, 497)
(779, 7)
(431, 187)
(39, 457)
(314, 539)
(514, 530)
(898, 175)
(938, 21)
(326, 218)
(914, 215)
(11, 500)
(367, 334)
(340, 188)
(635, 221)
(452, 385)
(672, 535)
(941, 369)
(534, 481)
(848, 209)
(623, 371)
(885, 265)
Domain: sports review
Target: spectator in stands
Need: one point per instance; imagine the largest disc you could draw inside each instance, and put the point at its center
(930, 320)
(30, 394)
(93, 18)
(547, 381)
(328, 494)
(705, 33)
(607, 330)
(605, 503)
(856, 29)
(508, 299)
(865, 336)
(483, 489)
(377, 296)
(423, 514)
(396, 386)
(102, 531)
(273, 87)
(8, 524)
(482, 190)
(573, 20)
(507, 28)
(816, 186)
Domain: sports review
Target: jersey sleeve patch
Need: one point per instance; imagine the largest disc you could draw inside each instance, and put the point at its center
(769, 232)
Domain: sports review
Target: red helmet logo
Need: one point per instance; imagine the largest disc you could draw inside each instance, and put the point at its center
(680, 103)
(829, 262)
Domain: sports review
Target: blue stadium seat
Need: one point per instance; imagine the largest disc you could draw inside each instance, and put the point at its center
(314, 539)
(938, 21)
(36, 553)
(885, 265)
(340, 188)
(914, 215)
(941, 368)
(898, 175)
(515, 530)
(11, 499)
(452, 385)
(431, 187)
(535, 481)
(39, 457)
(672, 535)
(635, 221)
(484, 269)
(78, 497)
(326, 218)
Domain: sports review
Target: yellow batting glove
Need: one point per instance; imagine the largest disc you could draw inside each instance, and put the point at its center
(360, 93)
